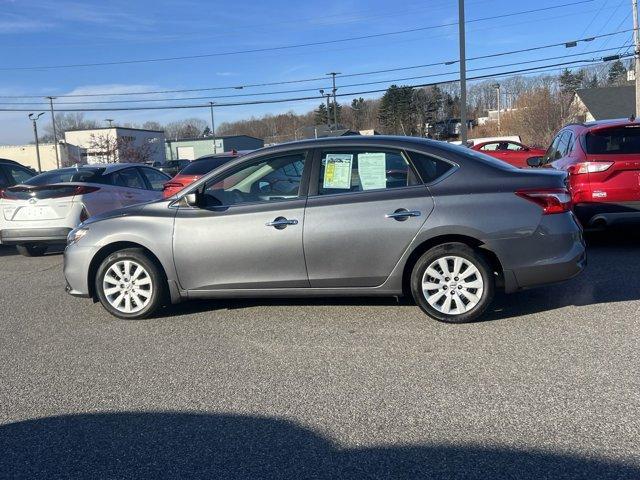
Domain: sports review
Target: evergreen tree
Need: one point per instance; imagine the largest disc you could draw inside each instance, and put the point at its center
(395, 110)
(320, 115)
(617, 74)
(570, 82)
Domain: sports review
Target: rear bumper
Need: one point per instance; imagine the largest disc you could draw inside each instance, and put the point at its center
(554, 252)
(601, 214)
(34, 235)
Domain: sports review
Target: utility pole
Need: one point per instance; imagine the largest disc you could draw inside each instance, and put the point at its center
(213, 126)
(463, 73)
(335, 103)
(497, 87)
(55, 133)
(636, 39)
(110, 120)
(34, 118)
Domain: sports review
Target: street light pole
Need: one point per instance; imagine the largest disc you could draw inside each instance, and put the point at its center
(55, 133)
(335, 103)
(463, 73)
(328, 110)
(110, 120)
(34, 119)
(213, 126)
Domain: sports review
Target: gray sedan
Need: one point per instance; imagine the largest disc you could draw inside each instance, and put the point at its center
(343, 216)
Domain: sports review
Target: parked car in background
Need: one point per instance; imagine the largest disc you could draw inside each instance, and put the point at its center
(12, 173)
(324, 218)
(45, 208)
(172, 167)
(602, 160)
(512, 152)
(197, 168)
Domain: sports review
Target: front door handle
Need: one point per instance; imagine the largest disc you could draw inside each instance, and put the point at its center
(281, 223)
(403, 214)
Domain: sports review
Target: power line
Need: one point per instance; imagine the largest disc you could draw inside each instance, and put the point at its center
(322, 78)
(287, 47)
(279, 92)
(538, 69)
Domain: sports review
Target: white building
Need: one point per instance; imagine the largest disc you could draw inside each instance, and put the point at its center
(26, 155)
(114, 144)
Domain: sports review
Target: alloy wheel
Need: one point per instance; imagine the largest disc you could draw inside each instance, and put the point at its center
(127, 286)
(452, 285)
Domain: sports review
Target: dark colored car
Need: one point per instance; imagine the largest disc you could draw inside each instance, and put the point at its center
(324, 218)
(196, 169)
(514, 153)
(13, 173)
(172, 167)
(602, 160)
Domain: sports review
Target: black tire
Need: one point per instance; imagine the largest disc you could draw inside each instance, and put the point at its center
(32, 249)
(155, 274)
(474, 258)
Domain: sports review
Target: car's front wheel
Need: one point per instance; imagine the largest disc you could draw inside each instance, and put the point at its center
(452, 283)
(130, 285)
(32, 249)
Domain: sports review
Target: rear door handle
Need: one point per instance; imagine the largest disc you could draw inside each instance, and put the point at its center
(281, 223)
(403, 214)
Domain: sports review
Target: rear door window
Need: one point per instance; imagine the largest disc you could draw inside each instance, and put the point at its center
(17, 174)
(128, 178)
(155, 178)
(613, 141)
(359, 170)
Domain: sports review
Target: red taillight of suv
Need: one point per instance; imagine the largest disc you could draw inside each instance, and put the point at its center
(590, 167)
(551, 201)
(171, 188)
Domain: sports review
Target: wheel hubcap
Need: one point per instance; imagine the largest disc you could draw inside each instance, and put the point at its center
(127, 286)
(452, 285)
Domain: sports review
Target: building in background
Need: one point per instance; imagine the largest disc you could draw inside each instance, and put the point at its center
(114, 144)
(192, 148)
(603, 103)
(26, 155)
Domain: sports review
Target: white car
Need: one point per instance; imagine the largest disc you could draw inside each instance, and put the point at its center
(44, 209)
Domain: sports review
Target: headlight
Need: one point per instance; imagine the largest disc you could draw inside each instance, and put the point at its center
(76, 234)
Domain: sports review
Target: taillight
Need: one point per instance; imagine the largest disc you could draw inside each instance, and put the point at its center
(551, 201)
(590, 167)
(170, 188)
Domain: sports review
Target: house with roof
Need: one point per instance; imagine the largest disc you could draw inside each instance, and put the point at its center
(603, 103)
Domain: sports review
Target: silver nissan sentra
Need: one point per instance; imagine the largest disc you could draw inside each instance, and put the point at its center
(384, 216)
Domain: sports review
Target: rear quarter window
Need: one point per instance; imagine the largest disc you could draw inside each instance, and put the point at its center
(429, 168)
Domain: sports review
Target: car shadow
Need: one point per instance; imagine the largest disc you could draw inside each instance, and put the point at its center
(613, 257)
(215, 446)
(10, 250)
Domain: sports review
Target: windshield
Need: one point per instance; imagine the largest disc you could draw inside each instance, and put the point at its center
(612, 141)
(63, 175)
(204, 165)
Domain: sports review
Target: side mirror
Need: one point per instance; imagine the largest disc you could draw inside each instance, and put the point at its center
(534, 162)
(191, 199)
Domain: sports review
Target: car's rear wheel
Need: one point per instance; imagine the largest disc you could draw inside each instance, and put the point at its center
(130, 285)
(452, 283)
(31, 249)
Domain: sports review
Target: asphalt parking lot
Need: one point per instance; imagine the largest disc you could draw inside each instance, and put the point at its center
(548, 386)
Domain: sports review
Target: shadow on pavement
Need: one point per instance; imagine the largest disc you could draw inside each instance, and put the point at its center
(202, 446)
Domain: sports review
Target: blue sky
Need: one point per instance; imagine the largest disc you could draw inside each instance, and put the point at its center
(54, 32)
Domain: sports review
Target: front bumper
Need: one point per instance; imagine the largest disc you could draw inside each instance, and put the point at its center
(603, 214)
(77, 260)
(17, 236)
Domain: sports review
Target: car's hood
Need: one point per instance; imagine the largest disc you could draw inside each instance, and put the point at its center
(120, 212)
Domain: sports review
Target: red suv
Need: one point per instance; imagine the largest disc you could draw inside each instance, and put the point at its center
(602, 160)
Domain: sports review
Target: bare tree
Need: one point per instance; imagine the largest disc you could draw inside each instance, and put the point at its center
(188, 128)
(114, 149)
(66, 122)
